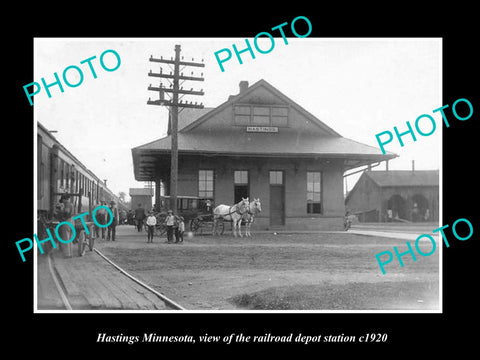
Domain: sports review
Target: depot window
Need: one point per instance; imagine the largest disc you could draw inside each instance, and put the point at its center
(205, 183)
(276, 177)
(314, 192)
(253, 115)
(240, 177)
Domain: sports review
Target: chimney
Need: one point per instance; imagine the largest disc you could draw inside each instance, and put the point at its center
(413, 165)
(386, 165)
(243, 86)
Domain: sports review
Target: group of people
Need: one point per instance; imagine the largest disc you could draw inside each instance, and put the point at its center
(103, 217)
(175, 224)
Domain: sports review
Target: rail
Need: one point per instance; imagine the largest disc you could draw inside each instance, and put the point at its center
(172, 304)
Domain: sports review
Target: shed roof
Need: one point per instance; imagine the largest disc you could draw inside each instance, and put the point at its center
(404, 177)
(258, 144)
(141, 192)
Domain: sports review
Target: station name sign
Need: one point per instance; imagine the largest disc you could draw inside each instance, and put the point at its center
(262, 129)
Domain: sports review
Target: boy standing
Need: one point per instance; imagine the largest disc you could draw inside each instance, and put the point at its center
(151, 222)
(169, 223)
(180, 229)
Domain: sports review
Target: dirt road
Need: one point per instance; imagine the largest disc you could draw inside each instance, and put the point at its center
(324, 271)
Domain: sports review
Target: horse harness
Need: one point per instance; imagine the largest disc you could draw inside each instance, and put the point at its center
(230, 212)
(251, 214)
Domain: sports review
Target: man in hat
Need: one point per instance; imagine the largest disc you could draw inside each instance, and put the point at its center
(101, 216)
(113, 225)
(169, 223)
(139, 217)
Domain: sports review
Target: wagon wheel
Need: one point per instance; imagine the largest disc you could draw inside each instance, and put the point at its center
(159, 230)
(163, 230)
(195, 224)
(220, 225)
(81, 243)
(91, 241)
(91, 237)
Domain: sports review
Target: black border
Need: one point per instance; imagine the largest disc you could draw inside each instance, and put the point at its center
(64, 335)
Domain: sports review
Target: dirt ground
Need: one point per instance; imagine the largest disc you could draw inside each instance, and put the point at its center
(322, 271)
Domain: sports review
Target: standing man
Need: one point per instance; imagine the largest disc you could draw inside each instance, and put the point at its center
(101, 217)
(113, 225)
(139, 216)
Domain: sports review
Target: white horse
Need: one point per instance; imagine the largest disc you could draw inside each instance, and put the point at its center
(230, 213)
(253, 209)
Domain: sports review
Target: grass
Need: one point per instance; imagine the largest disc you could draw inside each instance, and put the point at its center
(407, 295)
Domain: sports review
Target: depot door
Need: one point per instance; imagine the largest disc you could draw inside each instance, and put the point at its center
(277, 198)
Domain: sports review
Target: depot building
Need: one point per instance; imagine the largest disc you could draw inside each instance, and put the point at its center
(261, 144)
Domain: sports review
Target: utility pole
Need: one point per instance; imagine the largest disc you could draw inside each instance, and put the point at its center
(174, 103)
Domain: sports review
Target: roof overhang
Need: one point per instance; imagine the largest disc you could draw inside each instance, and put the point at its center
(149, 164)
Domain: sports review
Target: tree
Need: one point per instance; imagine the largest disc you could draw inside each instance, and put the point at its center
(121, 196)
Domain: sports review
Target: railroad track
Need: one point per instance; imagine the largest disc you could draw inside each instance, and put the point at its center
(168, 302)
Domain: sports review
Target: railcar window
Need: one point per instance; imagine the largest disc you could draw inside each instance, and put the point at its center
(62, 172)
(76, 182)
(67, 177)
(40, 168)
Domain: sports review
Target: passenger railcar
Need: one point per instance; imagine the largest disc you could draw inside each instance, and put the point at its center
(60, 172)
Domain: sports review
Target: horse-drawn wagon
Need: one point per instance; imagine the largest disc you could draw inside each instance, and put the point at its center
(200, 215)
(196, 212)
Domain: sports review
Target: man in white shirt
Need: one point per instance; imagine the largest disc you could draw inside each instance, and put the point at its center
(169, 222)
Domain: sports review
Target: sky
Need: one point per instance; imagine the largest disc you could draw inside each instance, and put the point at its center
(358, 87)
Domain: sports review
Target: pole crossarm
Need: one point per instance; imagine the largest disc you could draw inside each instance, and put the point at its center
(181, 91)
(170, 103)
(185, 63)
(179, 77)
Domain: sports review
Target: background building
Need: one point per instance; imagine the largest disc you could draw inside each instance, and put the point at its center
(141, 196)
(411, 195)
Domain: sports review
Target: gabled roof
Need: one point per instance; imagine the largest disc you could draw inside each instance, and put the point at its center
(238, 99)
(404, 177)
(186, 116)
(397, 178)
(312, 138)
